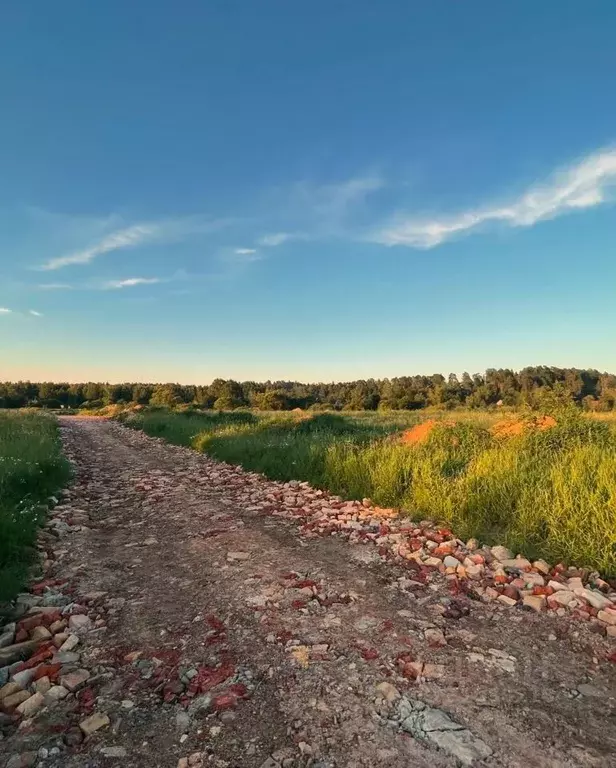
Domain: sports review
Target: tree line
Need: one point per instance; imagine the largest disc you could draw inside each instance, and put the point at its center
(588, 388)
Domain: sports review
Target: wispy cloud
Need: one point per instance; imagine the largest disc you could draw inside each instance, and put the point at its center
(274, 239)
(245, 251)
(5, 311)
(55, 287)
(130, 282)
(583, 185)
(34, 313)
(167, 230)
(123, 238)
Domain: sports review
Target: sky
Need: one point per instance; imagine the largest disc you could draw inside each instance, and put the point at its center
(313, 191)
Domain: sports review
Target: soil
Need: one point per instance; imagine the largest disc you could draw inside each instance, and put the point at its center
(282, 641)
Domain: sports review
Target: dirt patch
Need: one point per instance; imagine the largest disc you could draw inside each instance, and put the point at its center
(421, 432)
(515, 427)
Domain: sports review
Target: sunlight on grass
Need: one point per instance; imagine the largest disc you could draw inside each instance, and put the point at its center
(549, 493)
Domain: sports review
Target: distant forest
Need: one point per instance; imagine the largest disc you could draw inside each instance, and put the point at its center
(590, 389)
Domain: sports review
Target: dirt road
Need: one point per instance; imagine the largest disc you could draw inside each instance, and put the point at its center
(224, 638)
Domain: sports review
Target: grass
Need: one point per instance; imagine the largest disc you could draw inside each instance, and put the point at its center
(31, 469)
(548, 494)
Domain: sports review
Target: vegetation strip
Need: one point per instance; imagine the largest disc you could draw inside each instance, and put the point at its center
(589, 388)
(31, 469)
(547, 489)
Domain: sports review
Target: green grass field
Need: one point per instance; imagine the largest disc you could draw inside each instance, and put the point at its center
(548, 494)
(31, 469)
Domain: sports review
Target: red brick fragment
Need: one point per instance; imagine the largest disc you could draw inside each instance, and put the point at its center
(48, 670)
(369, 654)
(305, 583)
(224, 701)
(542, 590)
(209, 677)
(86, 699)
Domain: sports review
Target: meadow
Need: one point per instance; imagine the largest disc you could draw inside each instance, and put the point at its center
(31, 469)
(548, 493)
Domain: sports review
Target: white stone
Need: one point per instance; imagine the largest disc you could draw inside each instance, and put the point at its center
(501, 553)
(596, 599)
(79, 622)
(71, 642)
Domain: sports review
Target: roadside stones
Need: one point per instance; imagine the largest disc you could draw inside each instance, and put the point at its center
(8, 690)
(607, 616)
(94, 722)
(17, 652)
(54, 694)
(31, 705)
(436, 727)
(24, 678)
(7, 636)
(43, 685)
(79, 622)
(501, 553)
(73, 681)
(40, 634)
(596, 599)
(113, 752)
(536, 602)
(509, 601)
(71, 642)
(562, 597)
(542, 567)
(450, 562)
(23, 760)
(14, 700)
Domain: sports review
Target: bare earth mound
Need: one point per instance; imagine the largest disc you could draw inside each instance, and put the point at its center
(210, 631)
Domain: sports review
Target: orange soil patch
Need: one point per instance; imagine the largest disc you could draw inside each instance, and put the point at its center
(420, 432)
(513, 427)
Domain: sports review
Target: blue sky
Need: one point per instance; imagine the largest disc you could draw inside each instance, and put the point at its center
(314, 191)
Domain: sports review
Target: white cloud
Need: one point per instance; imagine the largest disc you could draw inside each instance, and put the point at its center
(580, 186)
(123, 238)
(245, 251)
(276, 238)
(5, 311)
(35, 313)
(55, 287)
(167, 230)
(131, 281)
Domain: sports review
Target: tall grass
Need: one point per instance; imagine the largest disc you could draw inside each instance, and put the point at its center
(548, 494)
(31, 468)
